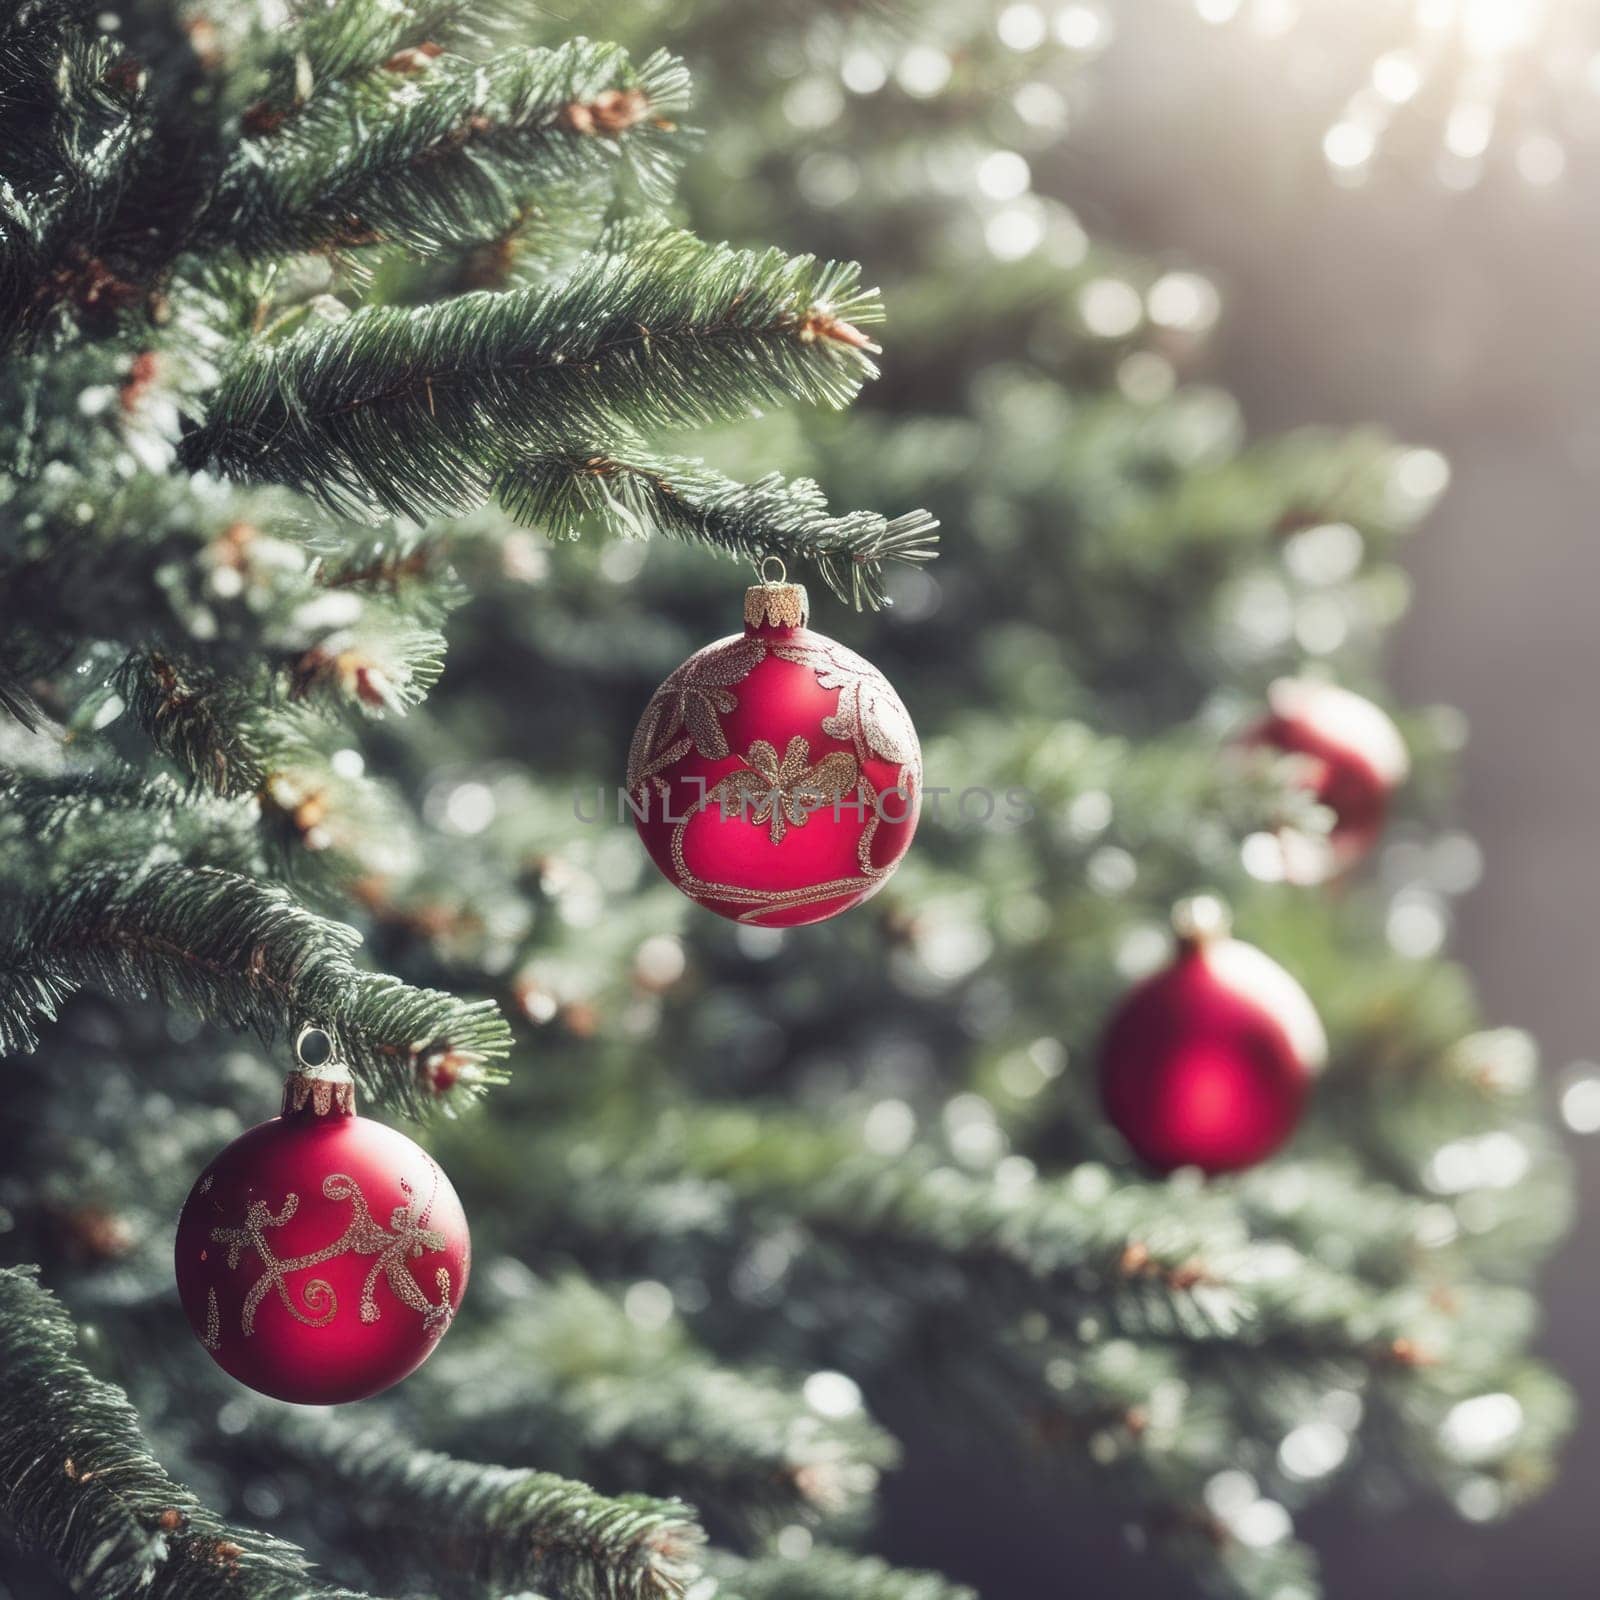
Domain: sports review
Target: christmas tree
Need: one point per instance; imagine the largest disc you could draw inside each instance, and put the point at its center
(378, 392)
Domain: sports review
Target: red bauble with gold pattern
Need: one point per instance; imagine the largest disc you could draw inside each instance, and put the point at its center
(1348, 754)
(775, 776)
(321, 1256)
(1209, 1062)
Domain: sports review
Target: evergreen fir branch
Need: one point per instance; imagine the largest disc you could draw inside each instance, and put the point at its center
(213, 728)
(245, 740)
(65, 135)
(1200, 1279)
(17, 701)
(398, 564)
(50, 65)
(65, 822)
(917, 1231)
(222, 580)
(826, 1573)
(325, 44)
(319, 819)
(230, 734)
(435, 149)
(419, 411)
(382, 668)
(479, 1530)
(539, 246)
(121, 163)
(916, 1217)
(639, 493)
(564, 1378)
(78, 1483)
(242, 953)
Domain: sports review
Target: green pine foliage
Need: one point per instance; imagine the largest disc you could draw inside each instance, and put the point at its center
(356, 355)
(81, 1482)
(475, 1529)
(562, 491)
(414, 410)
(470, 149)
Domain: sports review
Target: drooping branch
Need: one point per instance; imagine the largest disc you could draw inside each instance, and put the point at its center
(419, 411)
(246, 954)
(79, 1485)
(637, 492)
(478, 1530)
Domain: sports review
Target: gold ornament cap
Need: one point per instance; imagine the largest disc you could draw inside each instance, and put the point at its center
(775, 602)
(318, 1081)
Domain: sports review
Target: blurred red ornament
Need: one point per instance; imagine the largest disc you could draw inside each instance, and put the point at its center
(1209, 1062)
(1349, 755)
(775, 776)
(321, 1256)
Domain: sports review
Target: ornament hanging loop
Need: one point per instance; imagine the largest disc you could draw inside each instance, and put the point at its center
(313, 1046)
(769, 576)
(318, 1081)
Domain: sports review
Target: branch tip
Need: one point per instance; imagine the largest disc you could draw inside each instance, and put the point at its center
(610, 113)
(821, 324)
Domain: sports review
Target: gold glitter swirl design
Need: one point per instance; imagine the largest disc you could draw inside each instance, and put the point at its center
(869, 715)
(406, 1237)
(784, 793)
(685, 712)
(212, 1337)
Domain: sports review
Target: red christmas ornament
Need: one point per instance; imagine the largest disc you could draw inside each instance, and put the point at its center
(1209, 1062)
(321, 1257)
(775, 776)
(1349, 755)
